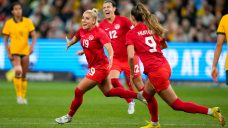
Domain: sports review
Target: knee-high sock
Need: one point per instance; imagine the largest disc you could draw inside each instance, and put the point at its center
(188, 107)
(120, 92)
(24, 87)
(116, 83)
(17, 84)
(76, 103)
(152, 106)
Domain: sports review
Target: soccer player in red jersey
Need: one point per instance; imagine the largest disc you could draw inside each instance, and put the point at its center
(92, 40)
(146, 39)
(117, 27)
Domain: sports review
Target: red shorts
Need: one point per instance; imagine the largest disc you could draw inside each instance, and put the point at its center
(123, 65)
(160, 78)
(98, 74)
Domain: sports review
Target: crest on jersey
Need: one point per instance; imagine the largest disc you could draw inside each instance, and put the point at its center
(117, 26)
(91, 37)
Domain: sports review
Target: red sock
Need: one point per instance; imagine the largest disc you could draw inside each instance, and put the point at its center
(188, 107)
(77, 101)
(152, 106)
(116, 83)
(120, 92)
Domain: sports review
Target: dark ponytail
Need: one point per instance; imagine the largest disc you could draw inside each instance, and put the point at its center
(114, 5)
(142, 14)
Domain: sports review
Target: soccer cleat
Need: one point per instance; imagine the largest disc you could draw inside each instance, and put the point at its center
(141, 98)
(151, 125)
(131, 107)
(218, 115)
(24, 100)
(19, 100)
(64, 119)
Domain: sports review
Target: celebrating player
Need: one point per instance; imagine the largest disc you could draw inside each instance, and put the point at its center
(17, 29)
(146, 40)
(116, 27)
(92, 40)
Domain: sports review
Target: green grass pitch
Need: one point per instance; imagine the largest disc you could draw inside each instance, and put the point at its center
(48, 100)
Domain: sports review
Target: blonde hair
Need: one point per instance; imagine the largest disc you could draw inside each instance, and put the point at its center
(94, 13)
(141, 13)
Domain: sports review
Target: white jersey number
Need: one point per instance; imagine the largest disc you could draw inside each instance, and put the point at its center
(137, 70)
(113, 34)
(92, 71)
(85, 43)
(151, 43)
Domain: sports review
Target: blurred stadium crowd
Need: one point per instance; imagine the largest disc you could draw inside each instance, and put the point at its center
(185, 20)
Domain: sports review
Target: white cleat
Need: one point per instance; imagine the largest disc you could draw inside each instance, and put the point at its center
(64, 119)
(141, 98)
(131, 107)
(24, 100)
(19, 100)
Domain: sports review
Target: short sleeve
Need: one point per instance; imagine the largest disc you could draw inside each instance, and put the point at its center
(103, 37)
(6, 28)
(77, 34)
(221, 29)
(31, 25)
(129, 39)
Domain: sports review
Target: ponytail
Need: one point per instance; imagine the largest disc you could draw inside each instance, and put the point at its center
(142, 14)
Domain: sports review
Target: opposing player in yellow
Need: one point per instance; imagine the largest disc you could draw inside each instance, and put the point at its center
(17, 29)
(222, 33)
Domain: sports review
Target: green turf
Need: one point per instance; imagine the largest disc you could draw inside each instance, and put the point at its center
(48, 100)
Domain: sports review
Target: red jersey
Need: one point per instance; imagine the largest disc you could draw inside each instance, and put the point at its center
(117, 31)
(147, 47)
(92, 42)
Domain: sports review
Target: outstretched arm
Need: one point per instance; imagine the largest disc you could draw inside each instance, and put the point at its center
(71, 42)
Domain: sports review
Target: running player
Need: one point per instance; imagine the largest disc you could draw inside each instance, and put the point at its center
(92, 40)
(146, 40)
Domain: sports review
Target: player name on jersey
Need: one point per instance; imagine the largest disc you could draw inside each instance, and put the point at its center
(145, 32)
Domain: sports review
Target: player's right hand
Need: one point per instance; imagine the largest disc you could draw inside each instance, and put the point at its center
(214, 73)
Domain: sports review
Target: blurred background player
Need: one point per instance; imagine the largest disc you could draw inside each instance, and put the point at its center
(146, 39)
(92, 40)
(116, 27)
(18, 29)
(222, 33)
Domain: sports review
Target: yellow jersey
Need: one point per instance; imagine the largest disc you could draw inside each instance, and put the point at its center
(223, 29)
(18, 33)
